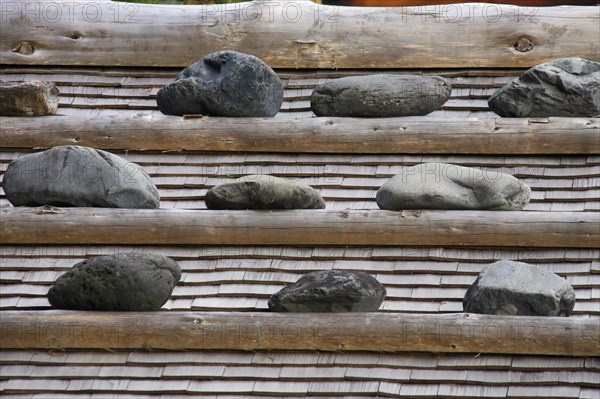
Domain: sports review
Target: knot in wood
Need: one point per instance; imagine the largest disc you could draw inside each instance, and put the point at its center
(24, 48)
(523, 45)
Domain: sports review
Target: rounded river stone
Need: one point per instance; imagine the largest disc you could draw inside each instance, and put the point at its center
(124, 282)
(446, 186)
(380, 96)
(78, 176)
(225, 83)
(263, 192)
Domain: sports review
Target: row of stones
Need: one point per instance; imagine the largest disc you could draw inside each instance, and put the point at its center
(86, 177)
(144, 282)
(228, 83)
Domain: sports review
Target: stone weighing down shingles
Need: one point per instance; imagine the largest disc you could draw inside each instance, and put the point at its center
(565, 87)
(124, 282)
(330, 291)
(515, 288)
(263, 192)
(380, 96)
(78, 176)
(31, 98)
(225, 83)
(446, 186)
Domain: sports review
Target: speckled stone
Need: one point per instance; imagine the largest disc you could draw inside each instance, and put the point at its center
(263, 192)
(124, 282)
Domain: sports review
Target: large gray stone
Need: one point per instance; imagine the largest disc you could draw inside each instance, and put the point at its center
(225, 83)
(263, 192)
(516, 288)
(31, 98)
(380, 96)
(124, 282)
(565, 87)
(330, 291)
(78, 176)
(446, 186)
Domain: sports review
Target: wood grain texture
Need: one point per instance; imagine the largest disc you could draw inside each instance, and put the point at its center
(415, 135)
(429, 3)
(294, 34)
(451, 333)
(299, 227)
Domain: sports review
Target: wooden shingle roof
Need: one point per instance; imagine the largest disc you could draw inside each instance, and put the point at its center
(108, 102)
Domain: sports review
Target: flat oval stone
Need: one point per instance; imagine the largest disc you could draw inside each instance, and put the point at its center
(380, 96)
(78, 176)
(330, 291)
(225, 83)
(564, 87)
(516, 288)
(263, 192)
(446, 186)
(124, 282)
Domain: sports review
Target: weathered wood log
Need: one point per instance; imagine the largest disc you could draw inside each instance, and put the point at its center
(323, 135)
(450, 333)
(429, 3)
(47, 225)
(295, 34)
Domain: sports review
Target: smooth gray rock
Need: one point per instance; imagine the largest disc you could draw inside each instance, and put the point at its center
(225, 83)
(263, 192)
(31, 98)
(380, 96)
(446, 186)
(516, 288)
(124, 282)
(330, 291)
(78, 176)
(565, 87)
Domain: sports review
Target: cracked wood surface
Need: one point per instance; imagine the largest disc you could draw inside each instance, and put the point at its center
(296, 34)
(51, 225)
(391, 332)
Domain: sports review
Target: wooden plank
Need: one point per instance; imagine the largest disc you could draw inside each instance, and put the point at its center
(294, 34)
(298, 227)
(431, 3)
(452, 333)
(307, 135)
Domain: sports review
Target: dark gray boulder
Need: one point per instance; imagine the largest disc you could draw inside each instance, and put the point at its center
(330, 291)
(515, 288)
(31, 98)
(263, 192)
(225, 83)
(565, 87)
(124, 282)
(446, 186)
(380, 96)
(78, 176)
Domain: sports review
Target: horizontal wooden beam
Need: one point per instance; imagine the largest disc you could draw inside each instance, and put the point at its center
(425, 3)
(298, 227)
(389, 332)
(415, 135)
(294, 34)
